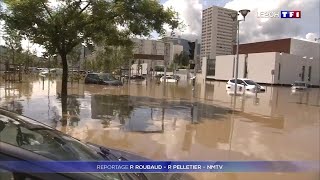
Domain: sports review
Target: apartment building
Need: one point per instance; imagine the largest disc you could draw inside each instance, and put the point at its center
(218, 32)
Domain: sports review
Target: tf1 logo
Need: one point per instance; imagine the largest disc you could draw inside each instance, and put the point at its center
(290, 14)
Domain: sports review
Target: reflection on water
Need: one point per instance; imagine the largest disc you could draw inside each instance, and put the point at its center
(179, 124)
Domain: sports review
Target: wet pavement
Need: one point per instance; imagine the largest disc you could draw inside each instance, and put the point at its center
(177, 123)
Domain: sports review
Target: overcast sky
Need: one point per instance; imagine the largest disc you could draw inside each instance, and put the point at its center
(254, 28)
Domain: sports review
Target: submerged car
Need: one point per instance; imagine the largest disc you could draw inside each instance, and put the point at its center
(299, 85)
(137, 77)
(170, 79)
(26, 140)
(244, 85)
(102, 78)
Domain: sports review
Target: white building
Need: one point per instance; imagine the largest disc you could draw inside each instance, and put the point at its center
(218, 32)
(296, 60)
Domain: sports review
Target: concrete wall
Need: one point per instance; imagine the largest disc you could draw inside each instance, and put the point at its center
(143, 46)
(305, 48)
(224, 67)
(260, 66)
(291, 69)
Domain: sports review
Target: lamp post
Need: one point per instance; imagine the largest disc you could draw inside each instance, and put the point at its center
(234, 17)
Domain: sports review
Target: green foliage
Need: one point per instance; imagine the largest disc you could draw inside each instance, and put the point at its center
(181, 59)
(13, 43)
(110, 58)
(159, 68)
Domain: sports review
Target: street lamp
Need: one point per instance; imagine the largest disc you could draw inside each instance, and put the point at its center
(234, 16)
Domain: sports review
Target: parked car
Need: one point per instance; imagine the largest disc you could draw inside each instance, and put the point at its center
(44, 72)
(299, 85)
(137, 77)
(244, 85)
(27, 140)
(170, 79)
(102, 78)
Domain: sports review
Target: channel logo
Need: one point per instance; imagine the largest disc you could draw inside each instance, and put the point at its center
(290, 14)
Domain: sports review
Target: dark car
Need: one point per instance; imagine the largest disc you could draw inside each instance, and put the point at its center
(102, 78)
(137, 77)
(26, 140)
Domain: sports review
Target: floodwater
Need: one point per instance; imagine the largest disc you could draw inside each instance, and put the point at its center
(178, 123)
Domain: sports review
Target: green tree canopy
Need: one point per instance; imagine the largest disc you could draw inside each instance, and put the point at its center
(181, 59)
(13, 43)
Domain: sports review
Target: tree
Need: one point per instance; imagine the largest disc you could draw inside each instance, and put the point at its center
(110, 58)
(181, 59)
(62, 27)
(13, 43)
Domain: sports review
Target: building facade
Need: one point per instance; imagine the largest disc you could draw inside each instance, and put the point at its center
(218, 32)
(167, 49)
(263, 62)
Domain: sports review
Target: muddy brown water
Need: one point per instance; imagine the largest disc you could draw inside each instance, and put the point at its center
(178, 123)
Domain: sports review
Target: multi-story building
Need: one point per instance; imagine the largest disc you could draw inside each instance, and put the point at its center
(218, 35)
(218, 32)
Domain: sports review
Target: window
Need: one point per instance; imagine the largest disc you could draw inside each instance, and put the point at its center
(279, 72)
(309, 74)
(250, 82)
(303, 72)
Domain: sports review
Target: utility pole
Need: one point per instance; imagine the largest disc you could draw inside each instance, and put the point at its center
(195, 58)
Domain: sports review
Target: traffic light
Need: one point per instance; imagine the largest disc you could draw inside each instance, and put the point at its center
(192, 46)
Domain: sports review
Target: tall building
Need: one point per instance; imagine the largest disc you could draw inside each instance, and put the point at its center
(218, 32)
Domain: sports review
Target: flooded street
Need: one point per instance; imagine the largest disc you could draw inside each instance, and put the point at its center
(177, 123)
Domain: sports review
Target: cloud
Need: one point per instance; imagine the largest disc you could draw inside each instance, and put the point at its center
(312, 36)
(260, 29)
(254, 28)
(190, 12)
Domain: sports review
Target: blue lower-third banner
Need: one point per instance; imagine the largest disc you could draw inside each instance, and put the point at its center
(159, 166)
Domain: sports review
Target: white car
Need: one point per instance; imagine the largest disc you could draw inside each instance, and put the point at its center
(170, 79)
(299, 85)
(44, 72)
(244, 85)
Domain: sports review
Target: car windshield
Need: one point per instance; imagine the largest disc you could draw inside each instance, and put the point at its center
(250, 82)
(44, 141)
(106, 77)
(35, 137)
